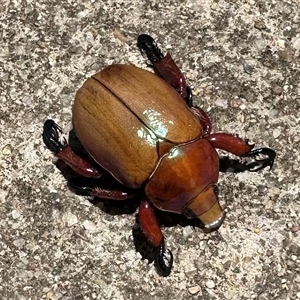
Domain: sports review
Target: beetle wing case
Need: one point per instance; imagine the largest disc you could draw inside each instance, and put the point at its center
(153, 101)
(121, 114)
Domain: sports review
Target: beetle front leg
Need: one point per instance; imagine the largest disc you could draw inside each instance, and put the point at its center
(165, 67)
(51, 133)
(151, 229)
(239, 147)
(260, 164)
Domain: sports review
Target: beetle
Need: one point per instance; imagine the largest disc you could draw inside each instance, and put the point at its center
(143, 129)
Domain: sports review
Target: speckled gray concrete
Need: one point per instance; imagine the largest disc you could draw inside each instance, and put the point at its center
(55, 245)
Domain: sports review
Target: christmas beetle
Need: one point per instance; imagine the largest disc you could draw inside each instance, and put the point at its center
(143, 129)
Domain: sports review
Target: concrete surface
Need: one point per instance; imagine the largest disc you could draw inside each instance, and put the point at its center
(242, 59)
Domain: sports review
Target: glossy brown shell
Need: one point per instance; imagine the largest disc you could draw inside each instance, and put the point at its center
(183, 174)
(127, 118)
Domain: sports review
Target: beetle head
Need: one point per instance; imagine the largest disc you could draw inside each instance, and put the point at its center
(207, 208)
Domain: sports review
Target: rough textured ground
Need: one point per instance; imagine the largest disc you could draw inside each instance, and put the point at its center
(242, 58)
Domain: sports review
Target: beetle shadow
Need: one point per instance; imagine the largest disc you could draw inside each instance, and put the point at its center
(130, 206)
(125, 207)
(165, 219)
(141, 242)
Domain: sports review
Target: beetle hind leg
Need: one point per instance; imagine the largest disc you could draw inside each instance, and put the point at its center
(151, 229)
(92, 188)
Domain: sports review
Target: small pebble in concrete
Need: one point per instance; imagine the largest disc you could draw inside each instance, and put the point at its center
(210, 284)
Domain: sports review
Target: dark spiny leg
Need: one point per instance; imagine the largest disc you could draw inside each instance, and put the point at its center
(148, 47)
(165, 67)
(89, 187)
(50, 135)
(64, 152)
(151, 229)
(259, 164)
(239, 147)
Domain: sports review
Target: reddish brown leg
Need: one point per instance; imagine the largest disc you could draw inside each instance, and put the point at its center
(165, 67)
(91, 188)
(149, 224)
(170, 72)
(204, 119)
(230, 143)
(152, 231)
(81, 166)
(112, 194)
(77, 163)
(239, 147)
(64, 152)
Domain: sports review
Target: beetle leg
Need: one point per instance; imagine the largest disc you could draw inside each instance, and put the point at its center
(203, 118)
(259, 164)
(100, 192)
(151, 229)
(230, 143)
(64, 152)
(240, 147)
(79, 164)
(148, 47)
(164, 66)
(50, 135)
(164, 263)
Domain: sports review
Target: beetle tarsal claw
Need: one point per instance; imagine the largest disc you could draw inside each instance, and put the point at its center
(264, 157)
(148, 47)
(51, 133)
(164, 261)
